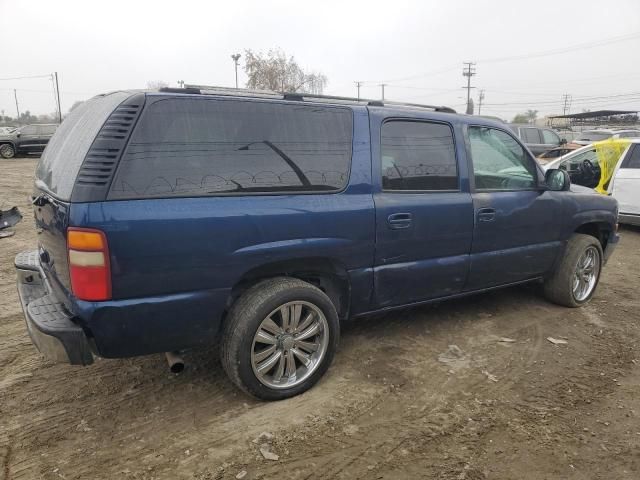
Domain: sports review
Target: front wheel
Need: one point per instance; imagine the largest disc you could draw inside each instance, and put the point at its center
(575, 278)
(7, 150)
(279, 338)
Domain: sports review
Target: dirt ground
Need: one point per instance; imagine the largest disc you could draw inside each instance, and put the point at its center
(430, 392)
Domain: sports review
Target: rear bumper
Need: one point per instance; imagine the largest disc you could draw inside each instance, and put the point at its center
(611, 246)
(50, 326)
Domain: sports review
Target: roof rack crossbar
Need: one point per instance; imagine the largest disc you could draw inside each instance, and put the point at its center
(298, 96)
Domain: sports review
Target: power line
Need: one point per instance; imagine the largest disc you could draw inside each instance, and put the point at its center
(578, 99)
(27, 77)
(558, 51)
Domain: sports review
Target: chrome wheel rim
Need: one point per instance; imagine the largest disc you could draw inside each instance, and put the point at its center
(586, 274)
(289, 344)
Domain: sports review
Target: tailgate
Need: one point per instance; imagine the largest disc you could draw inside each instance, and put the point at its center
(52, 219)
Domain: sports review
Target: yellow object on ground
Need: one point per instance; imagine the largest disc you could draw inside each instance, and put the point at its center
(608, 153)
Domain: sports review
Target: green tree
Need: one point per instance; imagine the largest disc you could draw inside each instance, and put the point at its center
(520, 118)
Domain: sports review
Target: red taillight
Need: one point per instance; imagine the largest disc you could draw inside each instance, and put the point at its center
(89, 264)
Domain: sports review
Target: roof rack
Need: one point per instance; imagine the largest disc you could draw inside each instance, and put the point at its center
(297, 96)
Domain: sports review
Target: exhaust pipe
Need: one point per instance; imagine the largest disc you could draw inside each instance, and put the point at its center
(176, 364)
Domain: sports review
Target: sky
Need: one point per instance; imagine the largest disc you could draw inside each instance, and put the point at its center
(527, 54)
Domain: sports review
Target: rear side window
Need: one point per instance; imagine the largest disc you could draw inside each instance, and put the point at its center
(29, 130)
(47, 129)
(531, 135)
(196, 147)
(418, 156)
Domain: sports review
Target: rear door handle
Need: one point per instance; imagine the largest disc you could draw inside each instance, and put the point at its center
(486, 214)
(398, 221)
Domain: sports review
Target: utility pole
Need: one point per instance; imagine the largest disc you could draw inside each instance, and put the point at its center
(383, 85)
(480, 99)
(567, 103)
(469, 71)
(235, 58)
(358, 85)
(181, 83)
(58, 96)
(15, 94)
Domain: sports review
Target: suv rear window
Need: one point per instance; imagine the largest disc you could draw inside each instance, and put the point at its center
(196, 147)
(61, 160)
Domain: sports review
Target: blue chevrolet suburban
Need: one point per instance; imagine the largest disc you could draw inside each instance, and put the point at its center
(177, 218)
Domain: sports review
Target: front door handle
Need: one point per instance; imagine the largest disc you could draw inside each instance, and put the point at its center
(486, 214)
(398, 221)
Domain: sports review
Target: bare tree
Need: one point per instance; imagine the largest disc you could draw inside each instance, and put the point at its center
(157, 84)
(278, 72)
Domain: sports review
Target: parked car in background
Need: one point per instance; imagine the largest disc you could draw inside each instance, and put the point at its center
(620, 162)
(581, 164)
(557, 152)
(175, 218)
(537, 139)
(625, 185)
(29, 140)
(589, 136)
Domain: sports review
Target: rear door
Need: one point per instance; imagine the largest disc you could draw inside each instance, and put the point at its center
(55, 179)
(532, 138)
(424, 213)
(28, 139)
(626, 183)
(517, 229)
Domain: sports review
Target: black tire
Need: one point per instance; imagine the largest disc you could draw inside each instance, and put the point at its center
(7, 150)
(247, 314)
(558, 287)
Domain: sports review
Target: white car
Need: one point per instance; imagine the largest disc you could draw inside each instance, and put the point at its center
(584, 169)
(625, 185)
(589, 136)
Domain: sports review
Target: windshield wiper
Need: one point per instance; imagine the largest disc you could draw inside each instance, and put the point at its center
(299, 173)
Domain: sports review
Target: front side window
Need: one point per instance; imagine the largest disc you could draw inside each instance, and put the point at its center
(198, 147)
(499, 162)
(418, 156)
(583, 168)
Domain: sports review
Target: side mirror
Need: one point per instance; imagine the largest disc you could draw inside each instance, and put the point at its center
(557, 180)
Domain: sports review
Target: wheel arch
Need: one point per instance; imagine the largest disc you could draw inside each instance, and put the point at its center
(328, 274)
(600, 230)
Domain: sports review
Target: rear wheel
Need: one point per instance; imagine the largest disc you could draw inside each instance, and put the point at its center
(279, 338)
(576, 277)
(7, 150)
